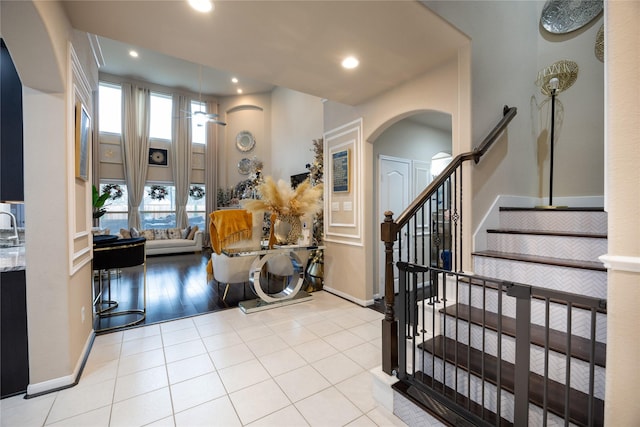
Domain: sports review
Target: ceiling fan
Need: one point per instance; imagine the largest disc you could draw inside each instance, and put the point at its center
(201, 117)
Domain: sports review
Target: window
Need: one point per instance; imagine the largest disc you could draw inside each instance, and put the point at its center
(110, 108)
(196, 205)
(160, 112)
(117, 209)
(198, 132)
(156, 212)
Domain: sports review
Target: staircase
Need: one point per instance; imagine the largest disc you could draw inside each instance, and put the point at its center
(465, 362)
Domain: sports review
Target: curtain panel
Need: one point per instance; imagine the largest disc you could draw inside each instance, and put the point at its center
(135, 145)
(181, 157)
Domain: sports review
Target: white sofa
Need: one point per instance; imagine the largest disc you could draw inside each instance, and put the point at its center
(175, 246)
(159, 242)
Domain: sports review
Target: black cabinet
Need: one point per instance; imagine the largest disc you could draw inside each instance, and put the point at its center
(14, 347)
(11, 147)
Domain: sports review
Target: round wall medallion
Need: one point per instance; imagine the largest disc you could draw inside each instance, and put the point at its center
(244, 166)
(599, 49)
(245, 141)
(561, 16)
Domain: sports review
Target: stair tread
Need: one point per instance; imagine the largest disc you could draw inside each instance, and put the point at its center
(561, 262)
(547, 233)
(453, 352)
(557, 209)
(413, 394)
(580, 346)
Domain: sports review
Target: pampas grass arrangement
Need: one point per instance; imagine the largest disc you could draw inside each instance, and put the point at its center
(281, 199)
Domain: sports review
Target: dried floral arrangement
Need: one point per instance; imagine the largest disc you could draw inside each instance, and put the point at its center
(281, 199)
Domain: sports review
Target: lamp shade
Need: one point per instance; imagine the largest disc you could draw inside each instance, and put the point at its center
(564, 70)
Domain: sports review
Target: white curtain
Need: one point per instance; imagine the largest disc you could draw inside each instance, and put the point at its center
(181, 157)
(135, 145)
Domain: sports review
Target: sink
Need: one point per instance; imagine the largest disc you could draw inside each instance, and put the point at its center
(12, 257)
(7, 244)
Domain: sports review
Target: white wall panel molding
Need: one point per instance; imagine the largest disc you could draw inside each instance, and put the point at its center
(78, 204)
(344, 216)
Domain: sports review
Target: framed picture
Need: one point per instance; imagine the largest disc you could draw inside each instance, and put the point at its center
(157, 157)
(340, 171)
(298, 179)
(83, 134)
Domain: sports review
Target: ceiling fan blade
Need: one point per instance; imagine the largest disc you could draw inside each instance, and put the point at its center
(203, 117)
(217, 122)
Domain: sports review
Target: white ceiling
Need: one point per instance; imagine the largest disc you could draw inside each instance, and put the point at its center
(294, 44)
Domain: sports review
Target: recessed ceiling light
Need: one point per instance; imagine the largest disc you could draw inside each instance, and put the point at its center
(234, 80)
(133, 54)
(239, 90)
(350, 62)
(201, 5)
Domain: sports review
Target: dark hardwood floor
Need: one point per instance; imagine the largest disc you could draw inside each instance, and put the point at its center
(177, 287)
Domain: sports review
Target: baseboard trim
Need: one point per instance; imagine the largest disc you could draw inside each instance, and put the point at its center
(364, 303)
(67, 381)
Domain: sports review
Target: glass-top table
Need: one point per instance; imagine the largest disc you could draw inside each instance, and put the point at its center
(282, 261)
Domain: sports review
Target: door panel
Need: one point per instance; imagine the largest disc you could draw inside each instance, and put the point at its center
(394, 189)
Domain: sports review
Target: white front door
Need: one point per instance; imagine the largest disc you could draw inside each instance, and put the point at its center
(394, 190)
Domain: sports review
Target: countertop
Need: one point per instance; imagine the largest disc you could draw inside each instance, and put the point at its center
(12, 258)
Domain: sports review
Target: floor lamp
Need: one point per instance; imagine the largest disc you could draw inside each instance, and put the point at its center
(552, 80)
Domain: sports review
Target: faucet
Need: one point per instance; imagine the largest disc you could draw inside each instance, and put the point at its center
(15, 227)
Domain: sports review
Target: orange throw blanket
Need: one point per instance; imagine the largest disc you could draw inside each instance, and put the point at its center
(229, 226)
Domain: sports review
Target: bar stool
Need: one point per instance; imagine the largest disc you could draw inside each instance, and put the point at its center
(121, 253)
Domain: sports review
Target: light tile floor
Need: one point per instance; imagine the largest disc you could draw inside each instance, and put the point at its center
(298, 365)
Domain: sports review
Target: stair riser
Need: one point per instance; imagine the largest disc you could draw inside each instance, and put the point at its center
(563, 247)
(574, 280)
(580, 318)
(565, 221)
(557, 361)
(490, 399)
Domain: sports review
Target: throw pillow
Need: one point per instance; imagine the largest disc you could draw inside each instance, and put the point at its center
(185, 232)
(192, 233)
(134, 232)
(160, 234)
(126, 234)
(147, 234)
(174, 233)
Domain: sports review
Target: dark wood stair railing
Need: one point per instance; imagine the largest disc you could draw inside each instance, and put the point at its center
(390, 230)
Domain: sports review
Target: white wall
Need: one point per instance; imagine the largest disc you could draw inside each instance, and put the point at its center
(411, 140)
(509, 48)
(437, 90)
(38, 35)
(243, 113)
(623, 207)
(579, 148)
(296, 121)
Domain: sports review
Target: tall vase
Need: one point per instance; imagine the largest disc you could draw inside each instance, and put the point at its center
(287, 229)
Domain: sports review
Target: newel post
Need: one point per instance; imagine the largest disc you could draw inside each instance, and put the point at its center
(388, 235)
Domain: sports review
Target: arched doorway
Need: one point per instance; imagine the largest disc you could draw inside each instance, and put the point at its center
(402, 157)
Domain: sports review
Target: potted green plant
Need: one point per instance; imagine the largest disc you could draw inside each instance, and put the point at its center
(98, 202)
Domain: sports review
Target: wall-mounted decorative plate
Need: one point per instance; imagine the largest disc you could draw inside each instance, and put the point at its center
(244, 166)
(562, 16)
(245, 141)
